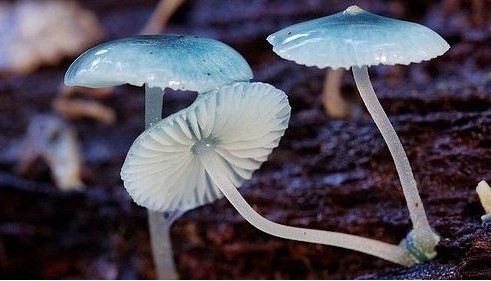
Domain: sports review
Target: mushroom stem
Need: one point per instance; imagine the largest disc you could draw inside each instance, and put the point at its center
(216, 168)
(161, 243)
(409, 188)
(334, 103)
(159, 226)
(161, 15)
(153, 105)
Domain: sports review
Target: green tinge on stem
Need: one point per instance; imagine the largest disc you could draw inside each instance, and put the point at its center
(422, 234)
(218, 173)
(159, 226)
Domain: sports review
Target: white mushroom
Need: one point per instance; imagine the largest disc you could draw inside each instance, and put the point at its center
(192, 157)
(484, 192)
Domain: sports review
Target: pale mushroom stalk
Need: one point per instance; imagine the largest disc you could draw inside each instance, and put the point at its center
(367, 93)
(159, 224)
(217, 171)
(154, 98)
(160, 16)
(335, 105)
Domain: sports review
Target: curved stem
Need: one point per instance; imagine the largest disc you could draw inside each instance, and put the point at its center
(161, 244)
(217, 171)
(159, 226)
(414, 204)
(160, 16)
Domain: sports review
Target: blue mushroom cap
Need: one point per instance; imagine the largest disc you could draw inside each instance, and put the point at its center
(175, 61)
(356, 37)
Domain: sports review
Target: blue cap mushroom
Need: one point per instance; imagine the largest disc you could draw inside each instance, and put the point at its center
(358, 39)
(159, 61)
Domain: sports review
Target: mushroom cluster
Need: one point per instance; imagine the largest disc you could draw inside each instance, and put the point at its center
(206, 151)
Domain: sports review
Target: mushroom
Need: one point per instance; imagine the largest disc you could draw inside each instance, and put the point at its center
(160, 61)
(484, 192)
(209, 149)
(52, 140)
(358, 39)
(184, 160)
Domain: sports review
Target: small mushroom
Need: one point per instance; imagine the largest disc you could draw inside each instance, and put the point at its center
(209, 149)
(51, 139)
(358, 39)
(484, 192)
(35, 33)
(159, 61)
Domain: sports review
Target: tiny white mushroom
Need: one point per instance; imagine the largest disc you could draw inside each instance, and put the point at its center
(50, 138)
(484, 192)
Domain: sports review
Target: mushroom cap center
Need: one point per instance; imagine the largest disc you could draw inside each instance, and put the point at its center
(354, 10)
(204, 145)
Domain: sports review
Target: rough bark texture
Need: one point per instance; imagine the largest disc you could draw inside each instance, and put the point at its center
(326, 174)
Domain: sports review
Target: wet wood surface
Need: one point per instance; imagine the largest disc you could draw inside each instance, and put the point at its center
(326, 174)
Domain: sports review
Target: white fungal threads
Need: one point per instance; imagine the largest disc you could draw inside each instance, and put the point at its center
(420, 248)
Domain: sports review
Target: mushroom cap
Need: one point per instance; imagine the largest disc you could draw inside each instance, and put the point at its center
(241, 123)
(175, 61)
(355, 37)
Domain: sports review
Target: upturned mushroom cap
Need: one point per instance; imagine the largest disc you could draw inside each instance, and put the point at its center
(175, 61)
(241, 123)
(356, 37)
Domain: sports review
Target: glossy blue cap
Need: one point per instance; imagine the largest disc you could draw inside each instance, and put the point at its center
(175, 61)
(356, 37)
